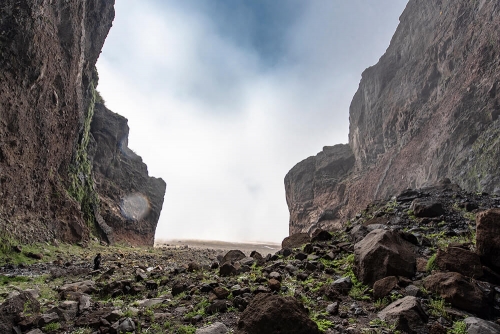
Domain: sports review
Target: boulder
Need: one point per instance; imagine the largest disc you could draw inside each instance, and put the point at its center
(296, 240)
(383, 253)
(215, 328)
(488, 237)
(459, 260)
(321, 235)
(233, 256)
(273, 314)
(459, 291)
(382, 287)
(13, 307)
(87, 287)
(480, 326)
(426, 208)
(407, 314)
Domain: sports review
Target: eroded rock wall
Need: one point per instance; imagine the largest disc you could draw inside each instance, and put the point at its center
(130, 201)
(48, 51)
(427, 110)
(48, 189)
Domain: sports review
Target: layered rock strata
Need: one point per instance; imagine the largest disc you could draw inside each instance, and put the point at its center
(48, 52)
(427, 110)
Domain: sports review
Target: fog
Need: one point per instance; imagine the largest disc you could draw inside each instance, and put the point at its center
(225, 97)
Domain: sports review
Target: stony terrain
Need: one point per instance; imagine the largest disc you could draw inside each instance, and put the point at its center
(427, 110)
(427, 261)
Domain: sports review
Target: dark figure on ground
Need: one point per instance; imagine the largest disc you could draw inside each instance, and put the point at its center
(97, 262)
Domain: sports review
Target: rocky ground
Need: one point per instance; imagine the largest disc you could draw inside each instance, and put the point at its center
(426, 261)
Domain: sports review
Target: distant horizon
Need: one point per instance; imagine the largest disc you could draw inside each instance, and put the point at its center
(223, 98)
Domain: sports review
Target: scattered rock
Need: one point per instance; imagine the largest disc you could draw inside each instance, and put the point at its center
(459, 291)
(233, 256)
(407, 314)
(426, 208)
(274, 314)
(215, 328)
(296, 240)
(480, 326)
(383, 253)
(382, 287)
(488, 237)
(459, 260)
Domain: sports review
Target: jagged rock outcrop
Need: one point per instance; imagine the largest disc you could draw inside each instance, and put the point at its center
(130, 201)
(427, 110)
(48, 52)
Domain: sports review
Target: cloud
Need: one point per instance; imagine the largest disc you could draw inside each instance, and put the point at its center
(224, 97)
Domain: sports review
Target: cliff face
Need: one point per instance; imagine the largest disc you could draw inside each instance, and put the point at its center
(48, 51)
(130, 201)
(427, 110)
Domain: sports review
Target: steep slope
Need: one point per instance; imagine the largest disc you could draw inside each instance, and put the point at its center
(48, 52)
(427, 110)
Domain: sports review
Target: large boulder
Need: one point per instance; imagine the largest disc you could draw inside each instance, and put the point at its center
(459, 260)
(426, 208)
(488, 237)
(458, 290)
(296, 240)
(383, 253)
(233, 256)
(273, 314)
(13, 307)
(406, 313)
(480, 326)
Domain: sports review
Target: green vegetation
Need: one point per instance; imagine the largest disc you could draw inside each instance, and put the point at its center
(51, 327)
(81, 186)
(431, 263)
(380, 326)
(459, 327)
(437, 308)
(186, 329)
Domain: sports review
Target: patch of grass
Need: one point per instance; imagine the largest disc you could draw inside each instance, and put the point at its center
(381, 303)
(82, 330)
(437, 308)
(51, 327)
(431, 263)
(186, 329)
(323, 324)
(380, 326)
(459, 327)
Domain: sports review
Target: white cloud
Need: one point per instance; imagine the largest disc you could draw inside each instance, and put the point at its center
(218, 125)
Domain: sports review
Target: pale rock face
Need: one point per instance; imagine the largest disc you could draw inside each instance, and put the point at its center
(428, 110)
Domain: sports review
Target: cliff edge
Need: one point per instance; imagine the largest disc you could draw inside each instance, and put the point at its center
(48, 52)
(427, 110)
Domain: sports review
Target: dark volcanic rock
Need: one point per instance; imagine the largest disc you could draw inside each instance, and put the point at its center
(50, 157)
(274, 314)
(429, 109)
(314, 181)
(48, 52)
(383, 253)
(459, 260)
(12, 307)
(459, 291)
(130, 200)
(295, 240)
(488, 237)
(407, 314)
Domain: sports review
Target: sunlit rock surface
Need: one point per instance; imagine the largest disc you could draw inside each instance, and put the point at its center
(427, 110)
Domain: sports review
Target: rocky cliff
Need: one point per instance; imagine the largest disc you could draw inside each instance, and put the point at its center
(427, 110)
(48, 52)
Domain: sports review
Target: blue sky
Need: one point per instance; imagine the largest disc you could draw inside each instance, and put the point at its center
(224, 97)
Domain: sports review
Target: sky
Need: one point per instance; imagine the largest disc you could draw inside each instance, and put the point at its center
(224, 97)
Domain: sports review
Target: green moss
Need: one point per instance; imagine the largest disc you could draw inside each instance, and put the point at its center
(81, 186)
